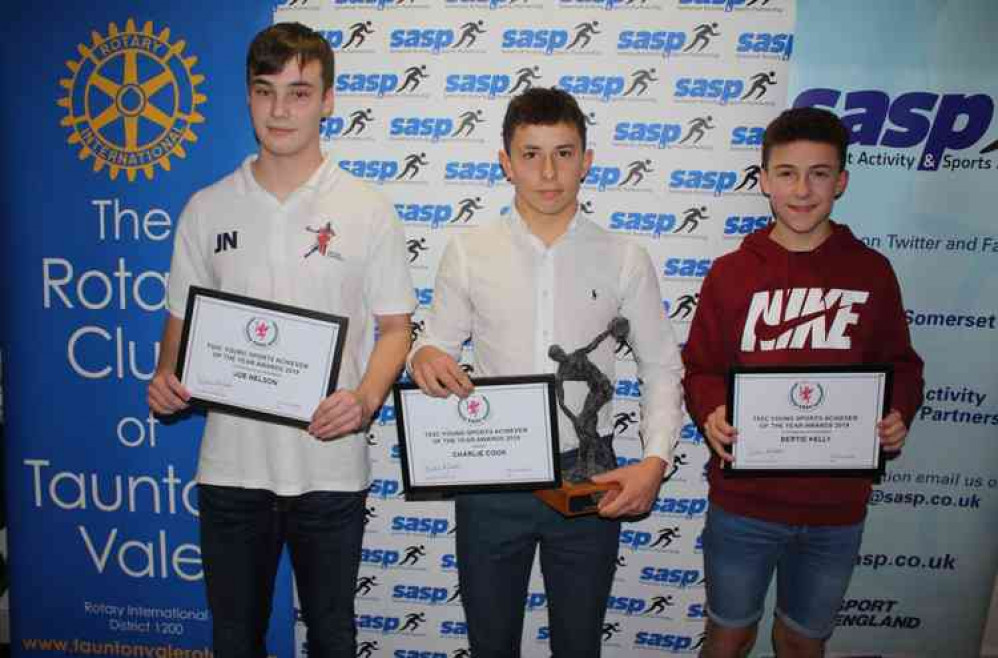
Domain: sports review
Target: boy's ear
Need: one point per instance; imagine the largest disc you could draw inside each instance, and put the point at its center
(506, 164)
(587, 162)
(841, 183)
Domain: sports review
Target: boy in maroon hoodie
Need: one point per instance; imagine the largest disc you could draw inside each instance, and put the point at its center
(807, 528)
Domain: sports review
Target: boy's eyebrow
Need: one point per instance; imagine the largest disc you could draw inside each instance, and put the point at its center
(297, 83)
(557, 147)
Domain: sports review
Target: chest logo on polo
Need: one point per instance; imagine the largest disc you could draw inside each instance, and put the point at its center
(801, 318)
(323, 238)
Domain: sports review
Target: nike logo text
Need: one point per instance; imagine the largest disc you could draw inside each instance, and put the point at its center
(790, 319)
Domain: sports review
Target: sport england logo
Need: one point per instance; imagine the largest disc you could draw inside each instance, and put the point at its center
(726, 91)
(131, 100)
(806, 395)
(461, 127)
(378, 85)
(261, 331)
(936, 123)
(575, 41)
(801, 318)
(474, 408)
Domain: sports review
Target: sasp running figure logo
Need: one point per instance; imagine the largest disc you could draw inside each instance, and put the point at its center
(131, 100)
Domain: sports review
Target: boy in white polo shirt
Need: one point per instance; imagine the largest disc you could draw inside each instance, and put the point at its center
(291, 227)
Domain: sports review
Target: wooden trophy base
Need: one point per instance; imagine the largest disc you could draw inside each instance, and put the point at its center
(575, 499)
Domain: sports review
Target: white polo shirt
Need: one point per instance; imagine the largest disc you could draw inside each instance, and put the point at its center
(514, 297)
(334, 245)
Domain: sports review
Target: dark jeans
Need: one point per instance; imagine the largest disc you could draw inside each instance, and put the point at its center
(242, 534)
(496, 538)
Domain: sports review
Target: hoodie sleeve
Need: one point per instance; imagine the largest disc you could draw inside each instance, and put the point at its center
(706, 355)
(894, 346)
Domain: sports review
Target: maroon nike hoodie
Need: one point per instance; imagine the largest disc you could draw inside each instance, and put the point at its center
(762, 305)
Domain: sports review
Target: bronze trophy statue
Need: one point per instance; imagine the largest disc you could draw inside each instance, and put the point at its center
(578, 495)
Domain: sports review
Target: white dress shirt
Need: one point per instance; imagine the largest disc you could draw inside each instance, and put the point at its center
(501, 286)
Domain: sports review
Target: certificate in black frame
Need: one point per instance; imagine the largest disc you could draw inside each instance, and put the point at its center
(814, 370)
(332, 354)
(416, 490)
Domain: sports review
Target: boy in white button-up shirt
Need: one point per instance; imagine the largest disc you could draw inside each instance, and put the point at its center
(545, 276)
(291, 227)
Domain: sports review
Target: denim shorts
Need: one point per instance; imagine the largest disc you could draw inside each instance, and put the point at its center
(813, 566)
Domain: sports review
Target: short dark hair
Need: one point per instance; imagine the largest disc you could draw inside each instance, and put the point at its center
(811, 124)
(275, 46)
(542, 106)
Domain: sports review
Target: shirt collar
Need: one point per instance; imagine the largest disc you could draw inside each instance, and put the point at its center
(576, 227)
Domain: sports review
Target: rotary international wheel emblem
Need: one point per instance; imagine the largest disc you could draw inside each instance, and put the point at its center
(131, 100)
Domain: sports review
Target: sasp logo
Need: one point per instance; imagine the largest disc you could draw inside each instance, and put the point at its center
(417, 653)
(739, 225)
(378, 623)
(431, 128)
(725, 90)
(626, 605)
(448, 562)
(420, 594)
(333, 127)
(602, 87)
(634, 539)
(433, 214)
(431, 40)
(939, 122)
(642, 223)
(628, 388)
(483, 85)
(695, 180)
(366, 84)
(765, 44)
(377, 171)
(380, 557)
(747, 136)
(535, 601)
(424, 296)
(416, 525)
(113, 87)
(386, 415)
(668, 642)
(488, 173)
(690, 434)
(691, 268)
(696, 611)
(657, 134)
(726, 5)
(648, 42)
(680, 578)
(453, 629)
(546, 41)
(685, 507)
(602, 177)
(384, 488)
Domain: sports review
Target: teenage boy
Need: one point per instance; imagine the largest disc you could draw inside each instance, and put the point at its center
(752, 312)
(308, 235)
(543, 276)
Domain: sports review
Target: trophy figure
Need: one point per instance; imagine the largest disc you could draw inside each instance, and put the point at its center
(578, 495)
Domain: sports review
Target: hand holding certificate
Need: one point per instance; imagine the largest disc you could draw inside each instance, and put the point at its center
(807, 419)
(258, 358)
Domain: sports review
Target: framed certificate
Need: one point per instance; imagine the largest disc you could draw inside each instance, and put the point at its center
(820, 418)
(258, 358)
(504, 436)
